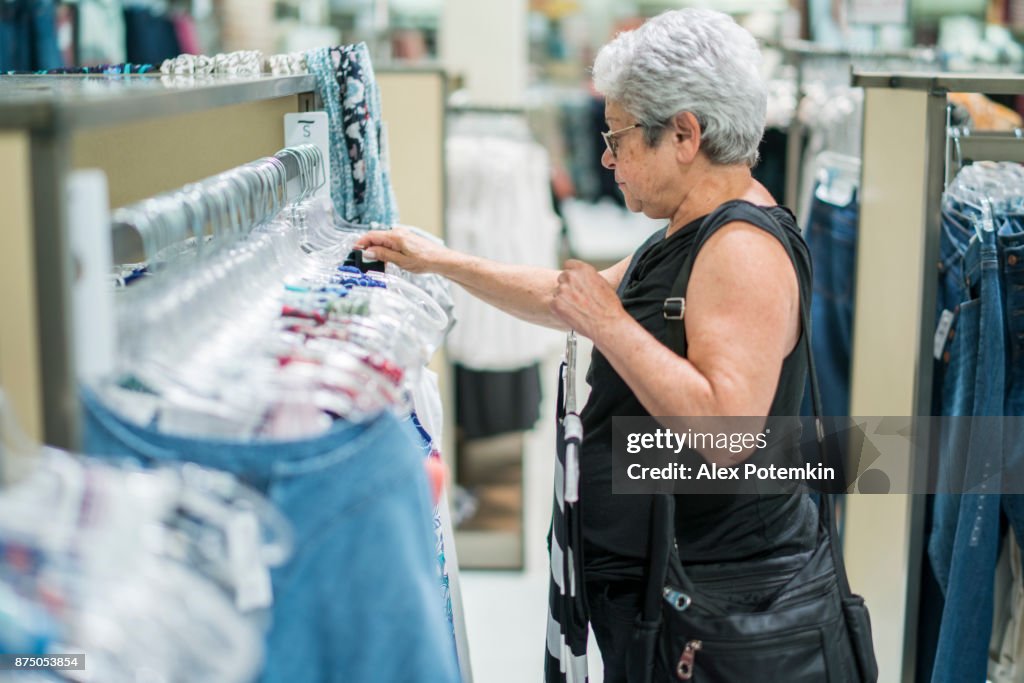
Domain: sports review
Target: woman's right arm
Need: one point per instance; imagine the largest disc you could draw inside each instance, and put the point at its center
(523, 291)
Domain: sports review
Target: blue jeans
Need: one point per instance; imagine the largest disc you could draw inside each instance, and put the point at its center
(964, 543)
(832, 239)
(954, 380)
(1011, 243)
(28, 35)
(957, 229)
(358, 601)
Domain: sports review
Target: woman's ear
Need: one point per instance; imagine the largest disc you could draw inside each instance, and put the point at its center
(686, 135)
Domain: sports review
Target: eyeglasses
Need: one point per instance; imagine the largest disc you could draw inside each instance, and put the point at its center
(611, 138)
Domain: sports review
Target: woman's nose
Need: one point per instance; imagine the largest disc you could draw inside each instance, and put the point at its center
(607, 160)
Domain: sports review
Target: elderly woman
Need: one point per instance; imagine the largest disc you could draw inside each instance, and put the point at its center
(685, 108)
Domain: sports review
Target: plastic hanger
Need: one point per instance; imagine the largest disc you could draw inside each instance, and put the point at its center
(187, 354)
(838, 177)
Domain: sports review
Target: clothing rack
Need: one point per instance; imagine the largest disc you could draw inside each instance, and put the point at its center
(147, 134)
(902, 182)
(143, 132)
(485, 109)
(132, 226)
(806, 48)
(802, 53)
(965, 145)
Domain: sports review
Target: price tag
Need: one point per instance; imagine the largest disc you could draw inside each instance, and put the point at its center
(942, 332)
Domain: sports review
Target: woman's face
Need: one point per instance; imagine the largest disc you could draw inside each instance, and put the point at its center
(648, 177)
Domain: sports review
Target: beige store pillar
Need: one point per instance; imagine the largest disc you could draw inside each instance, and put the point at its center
(486, 44)
(890, 350)
(20, 378)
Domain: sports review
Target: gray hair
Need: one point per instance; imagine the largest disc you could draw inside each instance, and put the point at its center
(694, 60)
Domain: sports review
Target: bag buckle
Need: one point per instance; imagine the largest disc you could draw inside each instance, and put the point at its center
(685, 667)
(681, 601)
(673, 308)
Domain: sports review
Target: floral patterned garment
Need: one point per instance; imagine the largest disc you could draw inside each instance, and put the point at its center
(361, 189)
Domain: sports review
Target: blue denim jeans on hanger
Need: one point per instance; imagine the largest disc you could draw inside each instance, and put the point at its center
(358, 600)
(957, 229)
(15, 38)
(1011, 243)
(832, 238)
(965, 539)
(28, 35)
(954, 378)
(44, 35)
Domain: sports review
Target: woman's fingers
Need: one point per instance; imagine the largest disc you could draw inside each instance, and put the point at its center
(379, 253)
(379, 238)
(401, 247)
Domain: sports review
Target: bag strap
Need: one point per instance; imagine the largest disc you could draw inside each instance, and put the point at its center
(663, 506)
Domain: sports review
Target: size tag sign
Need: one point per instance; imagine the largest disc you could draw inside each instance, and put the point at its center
(941, 332)
(311, 128)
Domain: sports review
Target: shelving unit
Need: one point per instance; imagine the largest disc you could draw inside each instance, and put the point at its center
(149, 134)
(904, 163)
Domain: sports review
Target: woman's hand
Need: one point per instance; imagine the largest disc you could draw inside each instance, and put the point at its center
(405, 249)
(584, 300)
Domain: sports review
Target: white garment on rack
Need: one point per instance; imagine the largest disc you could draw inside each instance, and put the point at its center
(439, 288)
(781, 102)
(101, 32)
(500, 208)
(604, 231)
(1006, 651)
(426, 399)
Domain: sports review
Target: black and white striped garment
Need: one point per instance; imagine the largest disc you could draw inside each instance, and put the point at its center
(566, 658)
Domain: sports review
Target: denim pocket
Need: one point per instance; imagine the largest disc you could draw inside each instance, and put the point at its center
(963, 362)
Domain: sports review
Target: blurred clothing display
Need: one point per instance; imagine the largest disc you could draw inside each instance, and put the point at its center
(101, 32)
(499, 207)
(28, 35)
(132, 568)
(493, 402)
(187, 33)
(978, 346)
(831, 235)
(247, 25)
(150, 37)
(1006, 650)
(355, 483)
(605, 231)
(832, 116)
(986, 114)
(771, 168)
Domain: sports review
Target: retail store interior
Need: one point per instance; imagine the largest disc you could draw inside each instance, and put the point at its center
(180, 434)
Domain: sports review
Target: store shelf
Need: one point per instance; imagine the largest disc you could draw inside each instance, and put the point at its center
(76, 102)
(941, 83)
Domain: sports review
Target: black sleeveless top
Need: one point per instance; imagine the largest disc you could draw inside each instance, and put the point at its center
(709, 528)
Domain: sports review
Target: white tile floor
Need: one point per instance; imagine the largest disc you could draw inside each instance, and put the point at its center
(506, 612)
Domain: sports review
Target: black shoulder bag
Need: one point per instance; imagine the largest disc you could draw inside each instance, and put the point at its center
(813, 630)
